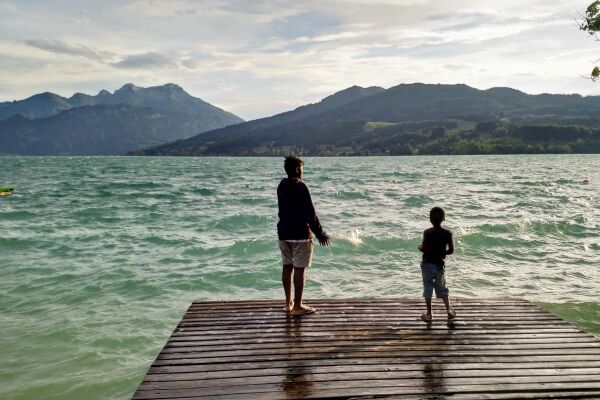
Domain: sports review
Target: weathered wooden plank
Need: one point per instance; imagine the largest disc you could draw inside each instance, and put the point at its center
(341, 307)
(320, 324)
(413, 343)
(498, 348)
(362, 300)
(362, 328)
(346, 318)
(349, 331)
(217, 357)
(515, 394)
(302, 348)
(434, 396)
(330, 312)
(232, 365)
(498, 369)
(299, 389)
(466, 338)
(424, 371)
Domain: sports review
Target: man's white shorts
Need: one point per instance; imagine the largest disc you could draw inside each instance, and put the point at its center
(298, 254)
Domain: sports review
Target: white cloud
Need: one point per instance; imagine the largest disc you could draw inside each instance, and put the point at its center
(262, 57)
(60, 47)
(145, 60)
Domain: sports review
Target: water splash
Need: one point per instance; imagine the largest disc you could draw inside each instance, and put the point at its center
(355, 237)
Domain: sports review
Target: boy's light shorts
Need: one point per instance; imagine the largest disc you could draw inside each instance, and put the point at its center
(433, 278)
(298, 254)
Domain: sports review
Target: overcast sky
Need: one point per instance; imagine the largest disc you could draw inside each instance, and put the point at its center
(258, 58)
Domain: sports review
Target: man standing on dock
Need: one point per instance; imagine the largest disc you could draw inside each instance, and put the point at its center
(297, 219)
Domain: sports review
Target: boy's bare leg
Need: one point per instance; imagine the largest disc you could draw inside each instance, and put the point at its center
(286, 279)
(428, 304)
(446, 302)
(449, 309)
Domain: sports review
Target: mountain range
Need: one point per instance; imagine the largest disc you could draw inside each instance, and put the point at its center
(129, 119)
(411, 119)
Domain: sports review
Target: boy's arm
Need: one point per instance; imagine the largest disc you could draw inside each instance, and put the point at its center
(422, 245)
(450, 249)
(310, 216)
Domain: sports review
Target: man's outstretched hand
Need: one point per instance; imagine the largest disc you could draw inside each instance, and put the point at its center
(324, 240)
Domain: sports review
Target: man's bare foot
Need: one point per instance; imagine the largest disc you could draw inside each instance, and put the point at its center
(289, 307)
(303, 310)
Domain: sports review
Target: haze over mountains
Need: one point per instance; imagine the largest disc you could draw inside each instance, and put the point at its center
(411, 119)
(129, 119)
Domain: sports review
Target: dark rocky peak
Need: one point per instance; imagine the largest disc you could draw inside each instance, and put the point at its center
(172, 87)
(128, 88)
(45, 96)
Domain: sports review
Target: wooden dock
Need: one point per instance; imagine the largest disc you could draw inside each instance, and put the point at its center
(374, 348)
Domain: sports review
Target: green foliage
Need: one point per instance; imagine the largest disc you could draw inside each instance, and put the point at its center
(371, 126)
(595, 73)
(424, 138)
(591, 22)
(591, 25)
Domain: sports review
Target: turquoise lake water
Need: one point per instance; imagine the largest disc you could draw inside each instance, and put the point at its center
(101, 256)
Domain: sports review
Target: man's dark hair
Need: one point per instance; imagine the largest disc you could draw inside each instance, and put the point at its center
(291, 165)
(436, 215)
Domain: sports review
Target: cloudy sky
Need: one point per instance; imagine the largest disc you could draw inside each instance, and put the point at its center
(256, 58)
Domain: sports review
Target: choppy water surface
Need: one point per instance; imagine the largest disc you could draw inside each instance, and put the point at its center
(101, 256)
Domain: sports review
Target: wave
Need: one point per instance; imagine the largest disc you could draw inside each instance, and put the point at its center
(12, 244)
(351, 195)
(241, 221)
(356, 238)
(417, 201)
(16, 215)
(573, 228)
(203, 191)
(235, 248)
(111, 186)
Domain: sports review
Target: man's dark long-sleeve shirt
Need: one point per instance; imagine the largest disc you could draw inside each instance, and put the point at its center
(297, 215)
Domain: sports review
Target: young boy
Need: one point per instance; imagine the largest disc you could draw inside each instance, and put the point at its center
(437, 244)
(297, 219)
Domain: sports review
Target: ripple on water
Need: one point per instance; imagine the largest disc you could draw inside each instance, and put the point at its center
(351, 195)
(417, 201)
(203, 191)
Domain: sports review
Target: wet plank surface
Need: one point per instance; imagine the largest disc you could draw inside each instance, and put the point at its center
(374, 348)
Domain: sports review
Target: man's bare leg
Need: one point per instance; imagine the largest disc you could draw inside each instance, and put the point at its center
(286, 279)
(299, 279)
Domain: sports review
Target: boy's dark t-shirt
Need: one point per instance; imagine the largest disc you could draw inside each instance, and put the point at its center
(435, 241)
(297, 215)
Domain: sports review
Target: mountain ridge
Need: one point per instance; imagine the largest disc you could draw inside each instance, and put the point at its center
(38, 124)
(390, 121)
(46, 104)
(88, 137)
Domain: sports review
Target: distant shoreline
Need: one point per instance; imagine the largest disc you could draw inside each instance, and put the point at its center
(282, 155)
